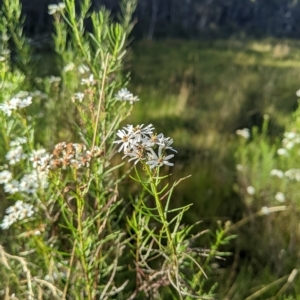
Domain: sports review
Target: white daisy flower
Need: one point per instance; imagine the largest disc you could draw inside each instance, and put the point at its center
(125, 95)
(88, 81)
(5, 176)
(79, 96)
(158, 160)
(15, 155)
(19, 211)
(12, 187)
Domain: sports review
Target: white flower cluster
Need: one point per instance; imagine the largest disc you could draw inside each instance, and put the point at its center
(15, 103)
(54, 8)
(82, 69)
(28, 184)
(88, 81)
(125, 95)
(290, 140)
(245, 133)
(277, 173)
(16, 154)
(138, 143)
(39, 158)
(292, 174)
(69, 67)
(17, 212)
(79, 96)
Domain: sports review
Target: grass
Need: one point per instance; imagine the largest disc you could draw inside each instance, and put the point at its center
(200, 93)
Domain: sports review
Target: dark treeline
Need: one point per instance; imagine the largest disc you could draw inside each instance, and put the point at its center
(192, 18)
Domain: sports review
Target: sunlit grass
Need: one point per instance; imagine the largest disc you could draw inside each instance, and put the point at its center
(201, 92)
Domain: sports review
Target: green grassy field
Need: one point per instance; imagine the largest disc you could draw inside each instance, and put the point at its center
(200, 93)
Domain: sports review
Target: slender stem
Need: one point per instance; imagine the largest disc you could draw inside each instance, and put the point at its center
(82, 250)
(212, 253)
(100, 100)
(160, 210)
(73, 24)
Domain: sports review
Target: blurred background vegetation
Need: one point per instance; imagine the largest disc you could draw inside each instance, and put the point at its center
(204, 69)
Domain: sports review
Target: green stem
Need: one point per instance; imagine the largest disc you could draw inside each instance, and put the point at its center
(212, 253)
(80, 208)
(161, 210)
(78, 39)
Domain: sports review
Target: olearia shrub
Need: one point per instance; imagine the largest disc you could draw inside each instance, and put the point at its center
(268, 185)
(66, 232)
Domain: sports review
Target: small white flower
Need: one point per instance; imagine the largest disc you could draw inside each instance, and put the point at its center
(15, 155)
(19, 211)
(11, 187)
(265, 210)
(26, 211)
(8, 220)
(245, 133)
(40, 158)
(126, 140)
(298, 93)
(250, 190)
(165, 143)
(125, 95)
(293, 174)
(6, 108)
(140, 131)
(289, 145)
(54, 8)
(277, 173)
(83, 69)
(29, 183)
(69, 67)
(79, 96)
(280, 197)
(135, 154)
(137, 143)
(14, 102)
(18, 141)
(290, 135)
(54, 79)
(88, 81)
(25, 102)
(5, 176)
(239, 167)
(282, 152)
(158, 160)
